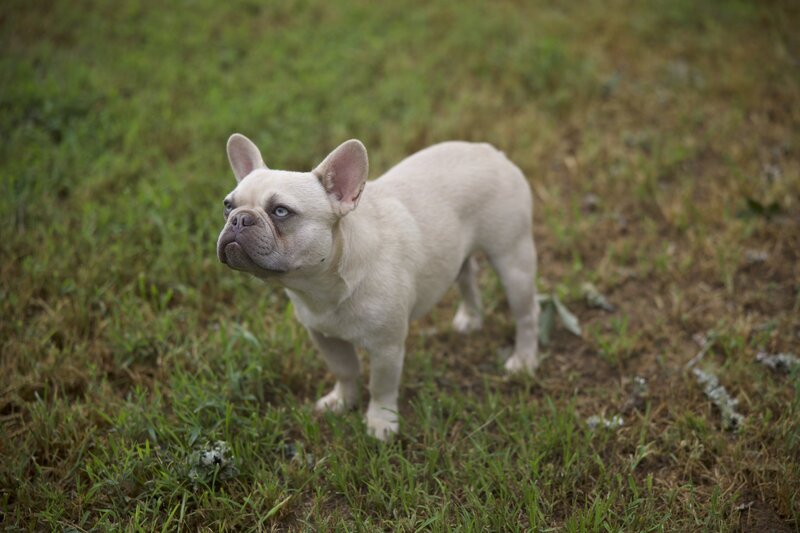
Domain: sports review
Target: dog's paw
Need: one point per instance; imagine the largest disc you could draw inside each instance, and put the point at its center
(466, 321)
(383, 430)
(383, 424)
(334, 402)
(519, 364)
(341, 398)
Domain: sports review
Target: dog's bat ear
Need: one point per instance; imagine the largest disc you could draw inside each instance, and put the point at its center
(343, 174)
(243, 155)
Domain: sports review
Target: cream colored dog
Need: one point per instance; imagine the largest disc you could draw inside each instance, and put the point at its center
(359, 262)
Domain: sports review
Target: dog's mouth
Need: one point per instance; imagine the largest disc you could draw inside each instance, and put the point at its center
(233, 254)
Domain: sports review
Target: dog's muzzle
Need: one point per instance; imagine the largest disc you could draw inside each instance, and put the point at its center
(246, 243)
(241, 220)
(231, 246)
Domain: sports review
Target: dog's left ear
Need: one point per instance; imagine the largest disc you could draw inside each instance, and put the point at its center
(343, 174)
(243, 155)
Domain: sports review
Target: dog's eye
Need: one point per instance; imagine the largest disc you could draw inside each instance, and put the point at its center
(281, 212)
(228, 206)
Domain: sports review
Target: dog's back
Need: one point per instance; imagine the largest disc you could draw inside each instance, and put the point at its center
(460, 182)
(461, 197)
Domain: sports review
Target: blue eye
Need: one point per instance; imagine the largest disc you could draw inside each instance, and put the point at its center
(281, 212)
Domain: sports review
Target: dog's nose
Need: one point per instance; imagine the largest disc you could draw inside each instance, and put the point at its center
(241, 220)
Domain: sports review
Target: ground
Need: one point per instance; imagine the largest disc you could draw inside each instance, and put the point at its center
(660, 140)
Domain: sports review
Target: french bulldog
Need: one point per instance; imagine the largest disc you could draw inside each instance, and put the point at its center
(359, 260)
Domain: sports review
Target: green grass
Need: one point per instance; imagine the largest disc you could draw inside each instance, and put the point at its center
(125, 345)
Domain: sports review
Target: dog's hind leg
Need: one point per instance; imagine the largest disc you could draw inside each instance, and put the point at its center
(468, 316)
(517, 271)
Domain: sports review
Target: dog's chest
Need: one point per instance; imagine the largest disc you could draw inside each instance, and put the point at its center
(338, 322)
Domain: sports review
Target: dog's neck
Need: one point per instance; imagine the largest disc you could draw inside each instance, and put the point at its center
(331, 283)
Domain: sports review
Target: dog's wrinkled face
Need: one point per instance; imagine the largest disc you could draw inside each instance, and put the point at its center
(278, 222)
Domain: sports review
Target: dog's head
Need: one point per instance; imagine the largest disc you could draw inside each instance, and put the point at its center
(278, 222)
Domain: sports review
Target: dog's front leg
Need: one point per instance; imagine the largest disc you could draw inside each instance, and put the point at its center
(342, 361)
(385, 368)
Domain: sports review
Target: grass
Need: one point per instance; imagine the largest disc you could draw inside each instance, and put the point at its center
(126, 345)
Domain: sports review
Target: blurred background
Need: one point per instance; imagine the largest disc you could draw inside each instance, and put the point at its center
(660, 139)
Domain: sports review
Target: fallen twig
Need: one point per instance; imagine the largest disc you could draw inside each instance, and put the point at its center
(731, 419)
(782, 362)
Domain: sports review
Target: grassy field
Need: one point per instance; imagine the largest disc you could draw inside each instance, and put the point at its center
(661, 140)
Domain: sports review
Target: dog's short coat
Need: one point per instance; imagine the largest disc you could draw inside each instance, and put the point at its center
(360, 260)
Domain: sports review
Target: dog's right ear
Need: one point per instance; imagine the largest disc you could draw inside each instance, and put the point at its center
(343, 174)
(243, 155)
